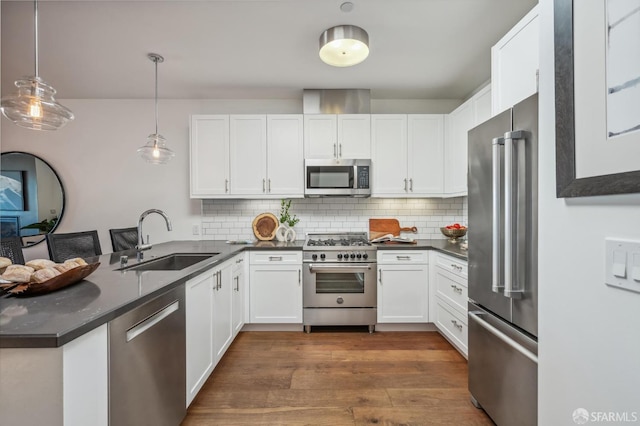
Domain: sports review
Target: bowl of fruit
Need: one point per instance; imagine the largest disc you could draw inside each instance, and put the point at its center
(454, 232)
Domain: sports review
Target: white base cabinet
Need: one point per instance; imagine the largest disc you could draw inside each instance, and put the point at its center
(239, 294)
(209, 332)
(449, 288)
(403, 286)
(276, 287)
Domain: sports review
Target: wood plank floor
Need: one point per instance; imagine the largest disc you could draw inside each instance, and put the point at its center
(337, 378)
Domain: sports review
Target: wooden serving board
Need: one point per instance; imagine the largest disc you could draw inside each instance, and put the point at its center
(381, 227)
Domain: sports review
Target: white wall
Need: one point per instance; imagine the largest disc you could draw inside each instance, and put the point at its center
(589, 334)
(107, 185)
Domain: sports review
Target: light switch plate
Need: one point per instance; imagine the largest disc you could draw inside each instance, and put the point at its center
(622, 263)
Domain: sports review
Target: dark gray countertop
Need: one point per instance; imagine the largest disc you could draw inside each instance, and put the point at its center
(53, 319)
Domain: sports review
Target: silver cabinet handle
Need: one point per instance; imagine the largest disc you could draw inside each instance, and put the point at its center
(456, 325)
(456, 288)
(335, 150)
(411, 184)
(264, 182)
(269, 185)
(405, 184)
(275, 258)
(299, 277)
(152, 320)
(239, 260)
(496, 180)
(380, 276)
(226, 185)
(340, 150)
(475, 316)
(219, 274)
(403, 257)
(237, 278)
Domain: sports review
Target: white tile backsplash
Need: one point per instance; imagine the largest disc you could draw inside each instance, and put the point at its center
(231, 219)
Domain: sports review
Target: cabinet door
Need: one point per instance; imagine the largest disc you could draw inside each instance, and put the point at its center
(239, 289)
(389, 149)
(514, 63)
(276, 294)
(199, 331)
(285, 155)
(354, 136)
(455, 151)
(403, 293)
(248, 147)
(222, 333)
(320, 134)
(209, 155)
(482, 105)
(425, 154)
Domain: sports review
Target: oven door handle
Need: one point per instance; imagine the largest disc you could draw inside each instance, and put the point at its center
(337, 268)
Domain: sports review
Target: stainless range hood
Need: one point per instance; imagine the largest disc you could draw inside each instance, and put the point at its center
(336, 101)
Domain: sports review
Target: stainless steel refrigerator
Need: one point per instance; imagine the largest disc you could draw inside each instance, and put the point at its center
(503, 265)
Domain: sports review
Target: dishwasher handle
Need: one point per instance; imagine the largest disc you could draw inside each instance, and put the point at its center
(152, 320)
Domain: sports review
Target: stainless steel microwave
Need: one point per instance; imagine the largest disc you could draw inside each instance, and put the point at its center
(347, 178)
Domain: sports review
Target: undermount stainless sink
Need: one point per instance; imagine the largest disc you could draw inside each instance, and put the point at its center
(172, 262)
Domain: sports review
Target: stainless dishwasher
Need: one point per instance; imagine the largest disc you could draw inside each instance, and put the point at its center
(147, 363)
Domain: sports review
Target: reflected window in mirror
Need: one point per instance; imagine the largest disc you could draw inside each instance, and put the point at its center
(31, 197)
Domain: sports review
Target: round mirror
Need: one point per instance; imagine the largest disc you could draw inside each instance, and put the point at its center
(31, 197)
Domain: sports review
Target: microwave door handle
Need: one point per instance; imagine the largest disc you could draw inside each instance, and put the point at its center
(513, 234)
(496, 282)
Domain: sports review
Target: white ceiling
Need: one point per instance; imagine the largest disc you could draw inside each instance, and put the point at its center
(420, 49)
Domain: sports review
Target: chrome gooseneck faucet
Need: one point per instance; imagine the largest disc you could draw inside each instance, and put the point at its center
(141, 245)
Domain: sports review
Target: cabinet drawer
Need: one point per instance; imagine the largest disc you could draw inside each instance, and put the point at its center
(451, 288)
(455, 266)
(452, 324)
(402, 257)
(275, 257)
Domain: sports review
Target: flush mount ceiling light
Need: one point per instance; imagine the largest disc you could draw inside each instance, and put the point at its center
(155, 151)
(344, 45)
(33, 106)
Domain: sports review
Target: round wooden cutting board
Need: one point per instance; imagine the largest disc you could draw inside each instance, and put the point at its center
(265, 226)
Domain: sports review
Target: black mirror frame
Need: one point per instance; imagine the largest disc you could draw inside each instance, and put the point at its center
(567, 184)
(64, 200)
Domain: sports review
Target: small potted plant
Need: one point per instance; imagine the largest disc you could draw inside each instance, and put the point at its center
(285, 232)
(44, 227)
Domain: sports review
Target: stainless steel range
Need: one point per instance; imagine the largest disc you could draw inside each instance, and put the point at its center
(339, 280)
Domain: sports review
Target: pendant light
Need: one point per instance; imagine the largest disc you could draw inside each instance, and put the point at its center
(344, 45)
(33, 106)
(155, 151)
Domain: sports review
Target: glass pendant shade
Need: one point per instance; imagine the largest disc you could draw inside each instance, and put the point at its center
(344, 46)
(155, 151)
(34, 106)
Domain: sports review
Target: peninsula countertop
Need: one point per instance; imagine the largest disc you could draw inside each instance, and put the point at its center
(54, 319)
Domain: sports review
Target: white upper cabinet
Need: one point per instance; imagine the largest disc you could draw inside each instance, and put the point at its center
(248, 146)
(407, 153)
(458, 123)
(514, 63)
(247, 156)
(209, 156)
(337, 136)
(285, 155)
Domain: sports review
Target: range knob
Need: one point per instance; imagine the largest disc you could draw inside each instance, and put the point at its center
(322, 256)
(339, 255)
(314, 256)
(359, 256)
(365, 255)
(353, 256)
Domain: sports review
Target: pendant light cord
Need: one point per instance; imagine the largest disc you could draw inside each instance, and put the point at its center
(36, 35)
(156, 62)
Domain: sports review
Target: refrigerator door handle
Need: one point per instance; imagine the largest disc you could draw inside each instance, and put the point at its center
(497, 284)
(475, 316)
(513, 255)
